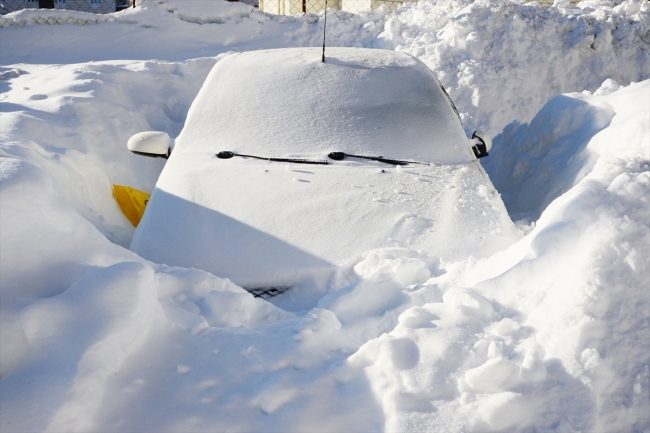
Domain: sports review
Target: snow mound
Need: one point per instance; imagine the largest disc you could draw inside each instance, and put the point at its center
(502, 60)
(532, 164)
(77, 130)
(209, 11)
(499, 60)
(565, 305)
(550, 334)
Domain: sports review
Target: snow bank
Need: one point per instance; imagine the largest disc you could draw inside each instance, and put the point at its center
(502, 60)
(209, 11)
(551, 334)
(194, 11)
(534, 164)
(499, 60)
(75, 303)
(73, 122)
(565, 305)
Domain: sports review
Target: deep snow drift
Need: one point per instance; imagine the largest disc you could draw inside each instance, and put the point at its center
(550, 334)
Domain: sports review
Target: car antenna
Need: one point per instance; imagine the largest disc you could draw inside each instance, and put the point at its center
(324, 26)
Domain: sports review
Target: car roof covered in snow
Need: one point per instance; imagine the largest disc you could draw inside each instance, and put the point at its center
(280, 103)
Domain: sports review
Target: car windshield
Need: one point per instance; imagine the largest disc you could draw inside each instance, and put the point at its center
(284, 103)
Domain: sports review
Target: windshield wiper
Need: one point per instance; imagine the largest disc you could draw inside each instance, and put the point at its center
(226, 154)
(336, 156)
(340, 156)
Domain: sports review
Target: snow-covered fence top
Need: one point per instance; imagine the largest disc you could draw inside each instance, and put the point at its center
(55, 17)
(91, 6)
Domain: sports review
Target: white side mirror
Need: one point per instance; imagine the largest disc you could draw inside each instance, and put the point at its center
(481, 143)
(154, 144)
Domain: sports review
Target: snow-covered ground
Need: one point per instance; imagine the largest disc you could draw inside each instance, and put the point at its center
(551, 333)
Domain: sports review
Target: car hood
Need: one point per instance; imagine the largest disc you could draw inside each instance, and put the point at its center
(262, 223)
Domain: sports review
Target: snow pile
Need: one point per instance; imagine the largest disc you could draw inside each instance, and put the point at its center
(550, 334)
(209, 11)
(501, 60)
(566, 305)
(194, 11)
(74, 303)
(532, 164)
(77, 130)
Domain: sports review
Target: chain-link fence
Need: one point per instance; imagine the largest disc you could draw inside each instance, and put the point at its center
(296, 7)
(341, 7)
(254, 3)
(92, 6)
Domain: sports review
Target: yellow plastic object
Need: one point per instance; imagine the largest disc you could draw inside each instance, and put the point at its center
(132, 201)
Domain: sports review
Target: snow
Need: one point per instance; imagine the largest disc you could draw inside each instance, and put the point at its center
(89, 111)
(392, 96)
(549, 333)
(335, 213)
(583, 133)
(266, 227)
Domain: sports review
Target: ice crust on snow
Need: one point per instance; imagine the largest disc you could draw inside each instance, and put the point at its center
(549, 334)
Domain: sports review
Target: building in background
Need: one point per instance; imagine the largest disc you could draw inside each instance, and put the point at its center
(92, 6)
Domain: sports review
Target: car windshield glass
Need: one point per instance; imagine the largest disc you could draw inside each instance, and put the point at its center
(286, 103)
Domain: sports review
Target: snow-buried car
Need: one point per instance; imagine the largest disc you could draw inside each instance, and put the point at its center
(309, 205)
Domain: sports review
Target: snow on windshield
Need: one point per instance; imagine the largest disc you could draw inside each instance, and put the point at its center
(288, 103)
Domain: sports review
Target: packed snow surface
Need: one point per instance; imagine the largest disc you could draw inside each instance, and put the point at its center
(549, 333)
